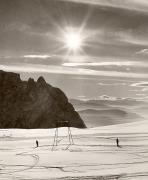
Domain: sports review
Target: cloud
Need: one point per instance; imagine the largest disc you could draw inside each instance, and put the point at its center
(38, 68)
(111, 64)
(82, 97)
(140, 94)
(140, 84)
(107, 63)
(112, 98)
(144, 89)
(143, 51)
(11, 26)
(115, 37)
(34, 56)
(143, 85)
(106, 97)
(112, 84)
(138, 5)
(134, 90)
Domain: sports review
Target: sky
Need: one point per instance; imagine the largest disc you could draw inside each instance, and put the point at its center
(112, 60)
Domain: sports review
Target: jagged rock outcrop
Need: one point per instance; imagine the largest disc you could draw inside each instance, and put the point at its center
(30, 104)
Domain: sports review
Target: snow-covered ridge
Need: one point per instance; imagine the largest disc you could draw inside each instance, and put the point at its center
(94, 154)
(135, 127)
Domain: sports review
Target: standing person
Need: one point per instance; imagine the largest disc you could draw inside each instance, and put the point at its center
(37, 143)
(117, 142)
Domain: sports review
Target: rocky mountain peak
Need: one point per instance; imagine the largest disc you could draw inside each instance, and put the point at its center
(41, 81)
(30, 104)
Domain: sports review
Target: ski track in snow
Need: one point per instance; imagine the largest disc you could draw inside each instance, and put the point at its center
(92, 157)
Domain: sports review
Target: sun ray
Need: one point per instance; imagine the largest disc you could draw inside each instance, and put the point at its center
(84, 22)
(73, 39)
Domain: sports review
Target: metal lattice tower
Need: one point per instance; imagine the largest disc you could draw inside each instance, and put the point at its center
(58, 125)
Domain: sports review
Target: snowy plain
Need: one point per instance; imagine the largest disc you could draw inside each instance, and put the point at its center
(94, 154)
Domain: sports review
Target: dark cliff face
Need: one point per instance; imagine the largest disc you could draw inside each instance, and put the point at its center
(30, 104)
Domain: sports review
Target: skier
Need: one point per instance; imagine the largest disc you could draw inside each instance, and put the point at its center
(117, 142)
(37, 143)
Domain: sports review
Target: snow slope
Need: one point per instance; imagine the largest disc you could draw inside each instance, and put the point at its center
(93, 156)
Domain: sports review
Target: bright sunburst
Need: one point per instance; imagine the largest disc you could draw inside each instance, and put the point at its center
(73, 41)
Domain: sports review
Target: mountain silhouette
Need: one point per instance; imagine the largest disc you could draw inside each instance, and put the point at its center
(33, 104)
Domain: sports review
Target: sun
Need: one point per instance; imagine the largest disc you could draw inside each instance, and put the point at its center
(73, 41)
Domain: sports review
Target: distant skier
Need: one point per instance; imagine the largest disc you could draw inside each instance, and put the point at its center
(37, 143)
(117, 142)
